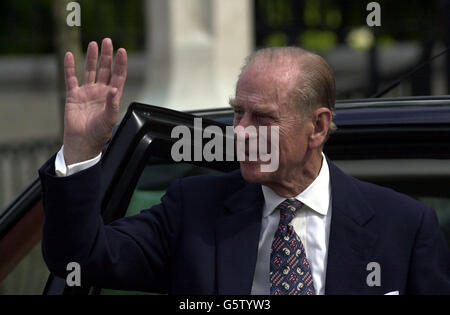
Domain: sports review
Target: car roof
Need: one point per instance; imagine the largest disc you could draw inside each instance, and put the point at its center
(385, 111)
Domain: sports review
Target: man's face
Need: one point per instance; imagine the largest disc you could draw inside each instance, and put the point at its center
(262, 96)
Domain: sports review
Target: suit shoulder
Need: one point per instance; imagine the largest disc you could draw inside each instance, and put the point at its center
(388, 199)
(227, 183)
(378, 197)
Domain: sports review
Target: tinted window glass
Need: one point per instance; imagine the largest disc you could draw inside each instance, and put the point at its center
(152, 185)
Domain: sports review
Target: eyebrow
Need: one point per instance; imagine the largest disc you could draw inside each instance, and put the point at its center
(260, 111)
(264, 111)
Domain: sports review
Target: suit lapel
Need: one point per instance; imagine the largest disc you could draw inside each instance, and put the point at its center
(350, 243)
(237, 239)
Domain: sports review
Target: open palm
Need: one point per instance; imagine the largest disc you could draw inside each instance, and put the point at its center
(92, 110)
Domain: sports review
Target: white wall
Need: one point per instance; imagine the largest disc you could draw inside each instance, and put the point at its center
(195, 51)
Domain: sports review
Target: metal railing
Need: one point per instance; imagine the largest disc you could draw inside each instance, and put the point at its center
(19, 163)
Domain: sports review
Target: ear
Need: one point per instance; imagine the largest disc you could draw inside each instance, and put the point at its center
(321, 120)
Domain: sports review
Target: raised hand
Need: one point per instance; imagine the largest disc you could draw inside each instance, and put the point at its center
(92, 109)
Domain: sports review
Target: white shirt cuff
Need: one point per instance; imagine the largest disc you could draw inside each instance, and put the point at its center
(63, 170)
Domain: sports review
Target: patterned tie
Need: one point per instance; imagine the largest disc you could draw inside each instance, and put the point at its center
(290, 273)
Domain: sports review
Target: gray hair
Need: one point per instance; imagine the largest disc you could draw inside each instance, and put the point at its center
(315, 85)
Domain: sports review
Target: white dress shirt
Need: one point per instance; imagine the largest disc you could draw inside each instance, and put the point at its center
(311, 223)
(62, 170)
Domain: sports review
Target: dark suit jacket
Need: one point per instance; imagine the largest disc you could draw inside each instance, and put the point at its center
(203, 237)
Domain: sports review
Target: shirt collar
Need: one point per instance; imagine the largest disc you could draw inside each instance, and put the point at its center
(316, 196)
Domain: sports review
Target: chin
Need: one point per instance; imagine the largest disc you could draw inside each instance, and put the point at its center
(251, 172)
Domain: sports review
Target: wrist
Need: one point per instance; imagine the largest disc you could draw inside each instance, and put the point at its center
(80, 153)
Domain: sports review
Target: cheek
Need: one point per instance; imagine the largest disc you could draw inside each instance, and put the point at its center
(289, 148)
(293, 144)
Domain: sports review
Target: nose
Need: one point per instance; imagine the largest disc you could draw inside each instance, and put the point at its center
(242, 124)
(241, 127)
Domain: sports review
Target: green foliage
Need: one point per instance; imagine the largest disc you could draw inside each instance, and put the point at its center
(278, 13)
(24, 25)
(385, 40)
(123, 21)
(276, 39)
(27, 26)
(319, 41)
(333, 18)
(311, 14)
(322, 24)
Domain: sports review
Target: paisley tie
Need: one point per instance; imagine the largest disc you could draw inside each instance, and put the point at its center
(290, 273)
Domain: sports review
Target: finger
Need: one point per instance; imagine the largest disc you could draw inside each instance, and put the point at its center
(70, 73)
(90, 67)
(106, 60)
(111, 106)
(119, 73)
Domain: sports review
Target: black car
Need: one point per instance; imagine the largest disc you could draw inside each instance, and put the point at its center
(401, 143)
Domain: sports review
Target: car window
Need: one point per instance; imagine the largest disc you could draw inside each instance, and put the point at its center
(152, 185)
(156, 178)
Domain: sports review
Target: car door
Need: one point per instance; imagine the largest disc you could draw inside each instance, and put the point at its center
(22, 268)
(137, 167)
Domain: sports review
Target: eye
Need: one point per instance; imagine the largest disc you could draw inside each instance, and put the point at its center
(264, 119)
(238, 112)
